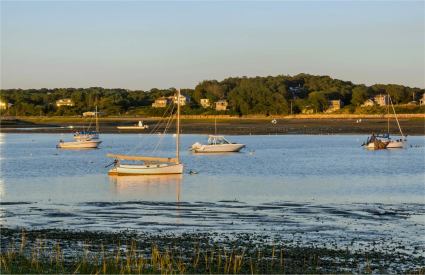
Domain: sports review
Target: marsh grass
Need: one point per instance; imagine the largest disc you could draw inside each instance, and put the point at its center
(29, 253)
(44, 257)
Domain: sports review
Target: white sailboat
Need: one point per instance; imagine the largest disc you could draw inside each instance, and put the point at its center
(150, 165)
(376, 142)
(83, 140)
(217, 144)
(87, 134)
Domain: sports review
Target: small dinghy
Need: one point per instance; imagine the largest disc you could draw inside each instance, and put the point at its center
(139, 126)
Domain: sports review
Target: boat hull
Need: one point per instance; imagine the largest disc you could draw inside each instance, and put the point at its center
(153, 169)
(91, 144)
(219, 148)
(395, 144)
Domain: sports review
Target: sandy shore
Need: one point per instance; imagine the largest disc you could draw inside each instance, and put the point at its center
(244, 126)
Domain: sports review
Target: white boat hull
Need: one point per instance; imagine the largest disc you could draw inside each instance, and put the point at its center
(395, 144)
(218, 148)
(152, 169)
(84, 144)
(392, 144)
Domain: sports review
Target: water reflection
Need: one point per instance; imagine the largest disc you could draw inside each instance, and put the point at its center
(150, 187)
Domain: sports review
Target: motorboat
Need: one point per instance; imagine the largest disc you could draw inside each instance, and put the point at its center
(150, 165)
(217, 144)
(138, 126)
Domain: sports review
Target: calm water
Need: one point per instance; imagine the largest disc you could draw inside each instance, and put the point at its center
(309, 188)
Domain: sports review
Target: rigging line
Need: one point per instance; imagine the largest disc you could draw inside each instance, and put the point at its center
(162, 136)
(88, 128)
(157, 125)
(165, 130)
(170, 119)
(395, 115)
(162, 118)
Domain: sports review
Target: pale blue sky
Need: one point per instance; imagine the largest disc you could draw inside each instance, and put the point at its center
(141, 45)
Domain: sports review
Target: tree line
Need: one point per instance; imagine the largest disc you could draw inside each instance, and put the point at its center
(269, 95)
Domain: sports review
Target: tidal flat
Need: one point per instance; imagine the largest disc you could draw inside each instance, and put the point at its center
(129, 252)
(228, 126)
(286, 204)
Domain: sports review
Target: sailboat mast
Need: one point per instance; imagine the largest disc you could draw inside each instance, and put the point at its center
(388, 117)
(178, 128)
(395, 115)
(215, 125)
(97, 120)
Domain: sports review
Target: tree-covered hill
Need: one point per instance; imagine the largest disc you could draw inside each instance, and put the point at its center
(246, 95)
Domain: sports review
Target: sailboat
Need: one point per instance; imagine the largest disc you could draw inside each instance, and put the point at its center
(150, 165)
(376, 142)
(87, 134)
(217, 144)
(83, 140)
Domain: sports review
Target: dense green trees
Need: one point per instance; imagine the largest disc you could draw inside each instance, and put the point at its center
(359, 95)
(318, 101)
(269, 95)
(254, 97)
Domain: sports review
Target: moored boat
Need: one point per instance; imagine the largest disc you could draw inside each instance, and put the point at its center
(87, 134)
(217, 144)
(84, 139)
(150, 165)
(80, 144)
(384, 141)
(139, 126)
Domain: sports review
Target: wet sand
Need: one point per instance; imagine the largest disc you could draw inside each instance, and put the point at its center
(413, 126)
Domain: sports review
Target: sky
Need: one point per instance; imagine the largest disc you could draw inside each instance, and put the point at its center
(142, 44)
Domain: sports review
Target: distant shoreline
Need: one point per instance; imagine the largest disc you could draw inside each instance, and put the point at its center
(322, 124)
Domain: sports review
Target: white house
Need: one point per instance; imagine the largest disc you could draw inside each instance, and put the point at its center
(205, 102)
(221, 105)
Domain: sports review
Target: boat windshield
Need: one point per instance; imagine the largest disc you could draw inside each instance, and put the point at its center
(384, 135)
(217, 140)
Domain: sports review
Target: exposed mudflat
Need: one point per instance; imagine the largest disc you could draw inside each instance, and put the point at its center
(231, 126)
